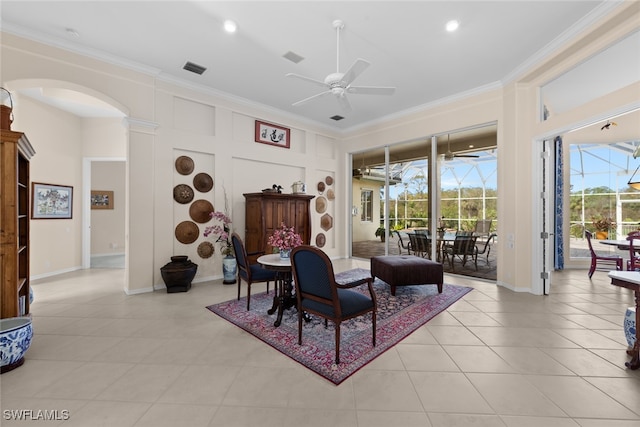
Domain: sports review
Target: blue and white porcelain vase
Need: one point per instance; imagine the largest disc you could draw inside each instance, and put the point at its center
(630, 326)
(285, 253)
(229, 269)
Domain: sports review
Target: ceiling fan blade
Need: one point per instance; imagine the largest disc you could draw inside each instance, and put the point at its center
(307, 79)
(470, 156)
(354, 71)
(318, 95)
(371, 90)
(344, 102)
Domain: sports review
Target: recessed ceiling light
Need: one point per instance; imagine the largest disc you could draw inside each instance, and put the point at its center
(230, 26)
(452, 25)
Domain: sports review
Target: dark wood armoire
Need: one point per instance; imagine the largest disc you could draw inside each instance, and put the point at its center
(267, 211)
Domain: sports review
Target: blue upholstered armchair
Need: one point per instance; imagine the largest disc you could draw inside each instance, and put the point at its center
(318, 293)
(250, 273)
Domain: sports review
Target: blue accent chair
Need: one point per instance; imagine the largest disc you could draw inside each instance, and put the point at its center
(318, 293)
(250, 273)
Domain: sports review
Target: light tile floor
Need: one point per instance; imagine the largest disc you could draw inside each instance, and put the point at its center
(494, 358)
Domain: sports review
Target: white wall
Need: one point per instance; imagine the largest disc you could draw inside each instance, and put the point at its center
(107, 225)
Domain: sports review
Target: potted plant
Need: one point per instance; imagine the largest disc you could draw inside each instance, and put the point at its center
(284, 238)
(602, 226)
(380, 232)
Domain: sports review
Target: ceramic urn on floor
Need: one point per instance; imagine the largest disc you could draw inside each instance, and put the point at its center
(178, 274)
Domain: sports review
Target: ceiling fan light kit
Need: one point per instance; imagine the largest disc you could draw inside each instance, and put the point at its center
(339, 84)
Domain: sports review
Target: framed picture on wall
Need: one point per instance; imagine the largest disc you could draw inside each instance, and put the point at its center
(101, 199)
(51, 201)
(267, 133)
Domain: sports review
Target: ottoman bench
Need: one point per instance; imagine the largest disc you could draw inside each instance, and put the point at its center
(405, 270)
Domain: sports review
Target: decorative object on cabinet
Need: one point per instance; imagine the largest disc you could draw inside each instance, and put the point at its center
(275, 188)
(203, 182)
(182, 193)
(101, 199)
(187, 232)
(205, 250)
(329, 180)
(184, 165)
(264, 212)
(321, 240)
(16, 334)
(326, 222)
(6, 111)
(321, 204)
(200, 211)
(321, 187)
(51, 201)
(267, 133)
(298, 187)
(178, 274)
(15, 153)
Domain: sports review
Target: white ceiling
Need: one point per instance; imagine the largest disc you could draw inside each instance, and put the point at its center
(405, 42)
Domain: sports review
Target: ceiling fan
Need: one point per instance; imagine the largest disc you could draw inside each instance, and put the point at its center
(450, 156)
(339, 84)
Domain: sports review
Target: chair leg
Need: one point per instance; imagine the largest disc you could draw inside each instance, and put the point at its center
(592, 268)
(248, 294)
(299, 327)
(337, 342)
(373, 321)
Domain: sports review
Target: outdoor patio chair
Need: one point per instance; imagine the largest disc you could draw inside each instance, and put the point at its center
(482, 227)
(487, 247)
(463, 247)
(401, 243)
(596, 259)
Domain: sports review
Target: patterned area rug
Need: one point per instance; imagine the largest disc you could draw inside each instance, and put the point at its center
(398, 316)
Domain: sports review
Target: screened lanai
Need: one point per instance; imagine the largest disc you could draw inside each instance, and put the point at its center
(464, 186)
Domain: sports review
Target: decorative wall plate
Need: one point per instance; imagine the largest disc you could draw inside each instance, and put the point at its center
(320, 240)
(203, 182)
(200, 211)
(182, 193)
(326, 222)
(205, 250)
(331, 194)
(329, 180)
(187, 232)
(321, 204)
(184, 165)
(321, 187)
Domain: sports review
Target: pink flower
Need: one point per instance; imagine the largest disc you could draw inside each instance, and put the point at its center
(284, 238)
(220, 231)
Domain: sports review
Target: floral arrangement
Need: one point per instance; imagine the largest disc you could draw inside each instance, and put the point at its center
(284, 238)
(221, 230)
(603, 223)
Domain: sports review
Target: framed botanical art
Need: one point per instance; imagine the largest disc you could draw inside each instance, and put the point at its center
(267, 133)
(101, 199)
(51, 201)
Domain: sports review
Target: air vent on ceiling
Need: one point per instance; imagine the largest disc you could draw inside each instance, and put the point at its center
(194, 68)
(293, 57)
(336, 118)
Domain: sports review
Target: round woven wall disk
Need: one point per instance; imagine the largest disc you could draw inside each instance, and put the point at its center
(321, 204)
(205, 250)
(182, 193)
(184, 165)
(321, 187)
(200, 211)
(331, 194)
(187, 232)
(203, 182)
(329, 180)
(320, 240)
